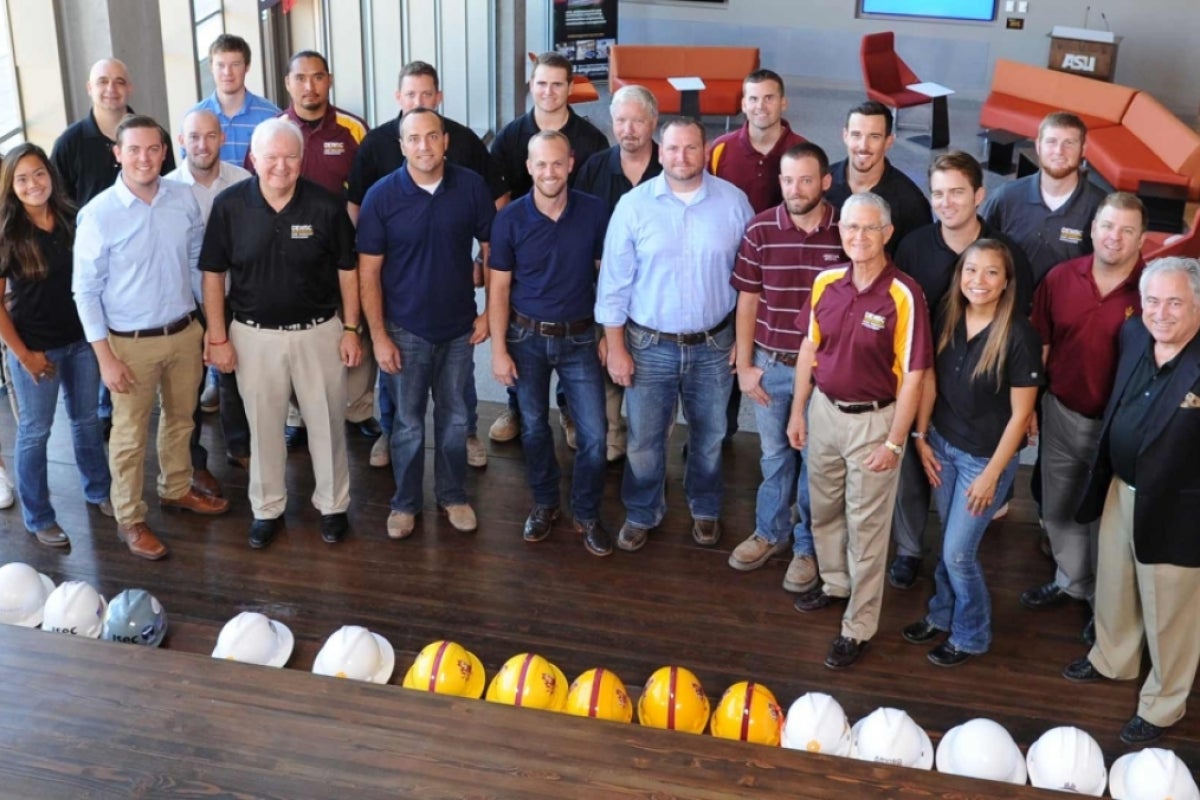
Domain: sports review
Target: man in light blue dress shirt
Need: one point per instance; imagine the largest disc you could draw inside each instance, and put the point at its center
(238, 109)
(136, 284)
(665, 302)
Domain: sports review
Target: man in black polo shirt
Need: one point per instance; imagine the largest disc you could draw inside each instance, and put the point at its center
(868, 136)
(549, 85)
(288, 246)
(929, 254)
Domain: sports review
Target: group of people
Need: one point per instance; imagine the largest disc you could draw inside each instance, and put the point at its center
(894, 350)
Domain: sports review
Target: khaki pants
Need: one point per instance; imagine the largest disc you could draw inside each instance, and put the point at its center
(167, 368)
(271, 365)
(1134, 599)
(360, 389)
(851, 508)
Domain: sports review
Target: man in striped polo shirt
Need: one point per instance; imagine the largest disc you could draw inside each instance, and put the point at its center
(784, 249)
(238, 109)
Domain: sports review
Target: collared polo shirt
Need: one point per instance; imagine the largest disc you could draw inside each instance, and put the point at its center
(553, 262)
(972, 413)
(227, 175)
(732, 157)
(379, 154)
(511, 148)
(84, 158)
(135, 263)
(1047, 237)
(866, 341)
(239, 128)
(780, 262)
(1132, 418)
(910, 209)
(925, 255)
(603, 177)
(282, 266)
(329, 147)
(1082, 330)
(667, 263)
(425, 240)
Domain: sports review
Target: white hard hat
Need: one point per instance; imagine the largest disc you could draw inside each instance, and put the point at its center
(254, 638)
(135, 617)
(1069, 760)
(75, 608)
(356, 653)
(889, 736)
(981, 748)
(817, 723)
(23, 593)
(1151, 774)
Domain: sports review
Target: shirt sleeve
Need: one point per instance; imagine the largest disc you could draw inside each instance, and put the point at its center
(195, 244)
(747, 267)
(362, 173)
(64, 163)
(1040, 317)
(503, 255)
(1024, 362)
(214, 251)
(487, 211)
(371, 236)
(617, 267)
(920, 342)
(90, 275)
(343, 240)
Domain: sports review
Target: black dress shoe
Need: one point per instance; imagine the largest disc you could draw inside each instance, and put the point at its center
(537, 524)
(334, 527)
(1044, 596)
(947, 655)
(1089, 631)
(815, 600)
(1081, 671)
(843, 652)
(262, 531)
(1139, 731)
(921, 632)
(595, 538)
(902, 574)
(369, 428)
(294, 436)
(632, 538)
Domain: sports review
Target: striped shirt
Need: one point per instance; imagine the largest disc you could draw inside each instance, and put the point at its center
(866, 340)
(780, 261)
(240, 127)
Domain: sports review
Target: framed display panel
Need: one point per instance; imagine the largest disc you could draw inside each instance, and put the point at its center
(963, 10)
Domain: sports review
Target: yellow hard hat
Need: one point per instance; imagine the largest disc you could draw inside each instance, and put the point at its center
(529, 681)
(674, 699)
(748, 711)
(446, 667)
(599, 693)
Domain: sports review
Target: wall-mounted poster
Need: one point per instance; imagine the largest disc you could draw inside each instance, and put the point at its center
(584, 30)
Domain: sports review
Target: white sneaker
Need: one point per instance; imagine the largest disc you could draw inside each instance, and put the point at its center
(6, 490)
(400, 524)
(381, 452)
(506, 427)
(476, 452)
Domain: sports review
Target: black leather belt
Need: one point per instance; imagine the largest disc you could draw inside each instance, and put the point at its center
(165, 330)
(862, 408)
(553, 328)
(291, 326)
(689, 338)
(781, 357)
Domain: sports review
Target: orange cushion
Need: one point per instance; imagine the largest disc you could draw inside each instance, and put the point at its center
(1023, 116)
(1125, 161)
(1062, 91)
(1164, 133)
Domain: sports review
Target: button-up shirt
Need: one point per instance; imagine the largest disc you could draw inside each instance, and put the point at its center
(240, 127)
(227, 176)
(136, 262)
(667, 263)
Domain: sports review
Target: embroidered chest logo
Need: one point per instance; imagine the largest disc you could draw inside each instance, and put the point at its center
(302, 231)
(1070, 235)
(335, 148)
(873, 322)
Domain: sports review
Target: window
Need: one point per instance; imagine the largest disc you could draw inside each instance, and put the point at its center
(209, 20)
(12, 124)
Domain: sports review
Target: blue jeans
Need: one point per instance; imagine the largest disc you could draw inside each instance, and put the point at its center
(663, 371)
(784, 471)
(961, 603)
(581, 379)
(387, 407)
(77, 372)
(440, 370)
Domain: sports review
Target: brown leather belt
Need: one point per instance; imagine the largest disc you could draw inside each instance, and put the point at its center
(862, 408)
(556, 329)
(781, 357)
(688, 338)
(165, 330)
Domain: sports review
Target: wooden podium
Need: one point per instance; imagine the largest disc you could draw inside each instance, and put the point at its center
(1082, 51)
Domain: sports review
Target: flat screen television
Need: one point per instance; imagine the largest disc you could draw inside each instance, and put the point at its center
(970, 10)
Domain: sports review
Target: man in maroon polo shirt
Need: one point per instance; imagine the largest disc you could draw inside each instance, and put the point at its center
(1078, 310)
(867, 345)
(784, 249)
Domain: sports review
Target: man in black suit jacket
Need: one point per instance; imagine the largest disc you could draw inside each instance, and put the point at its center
(1148, 579)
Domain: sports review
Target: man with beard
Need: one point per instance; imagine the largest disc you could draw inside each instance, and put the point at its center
(545, 248)
(666, 304)
(868, 136)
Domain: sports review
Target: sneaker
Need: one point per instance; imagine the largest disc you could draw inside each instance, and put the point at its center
(568, 427)
(6, 490)
(210, 398)
(462, 517)
(843, 652)
(801, 574)
(1047, 595)
(381, 453)
(400, 524)
(903, 572)
(755, 551)
(506, 427)
(476, 452)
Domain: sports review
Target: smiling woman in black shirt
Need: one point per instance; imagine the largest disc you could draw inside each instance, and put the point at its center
(979, 398)
(46, 346)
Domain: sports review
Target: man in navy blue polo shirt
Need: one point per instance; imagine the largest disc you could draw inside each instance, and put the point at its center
(546, 249)
(415, 231)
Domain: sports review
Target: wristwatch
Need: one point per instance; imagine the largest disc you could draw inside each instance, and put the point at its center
(898, 449)
(919, 435)
(353, 328)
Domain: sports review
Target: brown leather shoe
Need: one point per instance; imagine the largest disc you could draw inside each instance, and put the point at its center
(141, 541)
(196, 503)
(706, 532)
(205, 483)
(239, 461)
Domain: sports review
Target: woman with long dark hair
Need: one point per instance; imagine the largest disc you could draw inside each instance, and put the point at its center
(971, 424)
(46, 345)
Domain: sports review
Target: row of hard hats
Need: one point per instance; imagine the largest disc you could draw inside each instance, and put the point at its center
(29, 598)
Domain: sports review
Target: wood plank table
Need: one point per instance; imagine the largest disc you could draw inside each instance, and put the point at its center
(85, 718)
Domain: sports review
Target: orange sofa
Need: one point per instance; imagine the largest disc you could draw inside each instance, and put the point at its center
(721, 68)
(1131, 136)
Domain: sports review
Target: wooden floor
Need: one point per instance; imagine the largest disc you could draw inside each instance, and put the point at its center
(671, 603)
